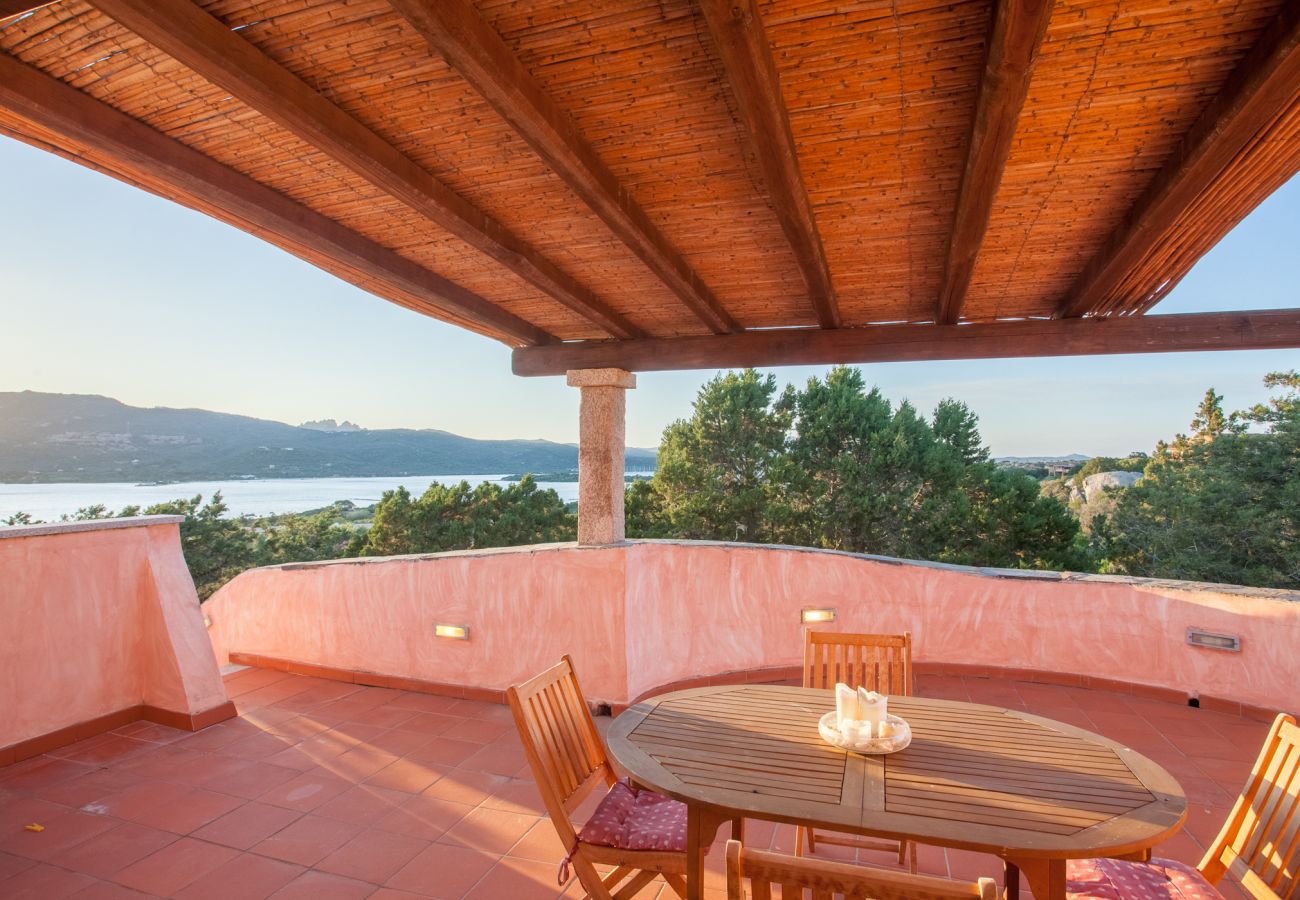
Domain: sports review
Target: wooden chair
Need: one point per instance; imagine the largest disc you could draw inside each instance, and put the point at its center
(568, 761)
(1259, 844)
(877, 662)
(828, 880)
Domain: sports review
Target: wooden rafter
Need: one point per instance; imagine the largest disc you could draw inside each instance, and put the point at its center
(455, 30)
(147, 157)
(1014, 41)
(1264, 83)
(1265, 329)
(189, 34)
(737, 30)
(12, 9)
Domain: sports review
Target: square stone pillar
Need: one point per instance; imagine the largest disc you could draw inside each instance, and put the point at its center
(602, 431)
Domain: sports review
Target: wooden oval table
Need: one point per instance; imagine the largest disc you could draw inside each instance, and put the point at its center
(1027, 789)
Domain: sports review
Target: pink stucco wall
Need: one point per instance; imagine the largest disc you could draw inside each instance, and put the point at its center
(643, 614)
(96, 618)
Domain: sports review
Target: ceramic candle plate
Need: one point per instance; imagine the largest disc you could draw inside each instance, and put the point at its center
(901, 737)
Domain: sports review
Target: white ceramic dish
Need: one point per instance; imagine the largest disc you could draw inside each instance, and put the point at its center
(901, 737)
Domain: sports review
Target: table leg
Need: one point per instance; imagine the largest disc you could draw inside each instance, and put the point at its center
(1010, 880)
(702, 825)
(1046, 877)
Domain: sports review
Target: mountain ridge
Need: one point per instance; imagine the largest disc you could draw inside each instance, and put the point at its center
(47, 437)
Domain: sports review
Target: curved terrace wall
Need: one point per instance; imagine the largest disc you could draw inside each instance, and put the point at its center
(644, 614)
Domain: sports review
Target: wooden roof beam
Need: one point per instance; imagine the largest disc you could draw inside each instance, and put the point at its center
(742, 44)
(1265, 329)
(1262, 85)
(148, 157)
(12, 9)
(193, 37)
(1014, 41)
(455, 30)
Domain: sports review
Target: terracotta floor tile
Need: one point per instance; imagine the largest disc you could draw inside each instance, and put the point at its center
(323, 886)
(306, 791)
(480, 731)
(247, 825)
(518, 879)
(409, 775)
(45, 882)
(87, 789)
(184, 812)
(42, 772)
(445, 751)
(359, 763)
(214, 737)
(517, 795)
(62, 832)
(251, 779)
(489, 830)
(499, 759)
(542, 844)
(429, 723)
(363, 804)
(394, 894)
(399, 742)
(373, 856)
(385, 716)
(443, 871)
(246, 877)
(173, 867)
(114, 749)
(428, 703)
(19, 812)
(308, 840)
(107, 890)
(427, 818)
(115, 849)
(258, 746)
(151, 731)
(466, 786)
(11, 864)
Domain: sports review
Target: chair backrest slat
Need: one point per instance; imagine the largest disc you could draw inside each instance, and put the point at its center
(824, 880)
(878, 662)
(564, 750)
(1260, 841)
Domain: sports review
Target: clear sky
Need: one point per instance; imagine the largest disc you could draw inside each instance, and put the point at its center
(109, 290)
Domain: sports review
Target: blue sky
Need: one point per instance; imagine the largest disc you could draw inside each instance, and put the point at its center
(109, 290)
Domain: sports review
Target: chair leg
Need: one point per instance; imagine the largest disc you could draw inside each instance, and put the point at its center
(589, 878)
(633, 887)
(798, 840)
(677, 883)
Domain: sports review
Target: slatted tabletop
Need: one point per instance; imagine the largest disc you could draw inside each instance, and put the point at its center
(977, 777)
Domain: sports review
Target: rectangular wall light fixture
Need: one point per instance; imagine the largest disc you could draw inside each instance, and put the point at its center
(811, 615)
(1208, 639)
(454, 632)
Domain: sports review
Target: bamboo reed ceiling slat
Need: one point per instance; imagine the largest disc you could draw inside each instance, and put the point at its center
(880, 96)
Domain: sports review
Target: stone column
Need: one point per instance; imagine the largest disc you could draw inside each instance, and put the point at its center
(601, 436)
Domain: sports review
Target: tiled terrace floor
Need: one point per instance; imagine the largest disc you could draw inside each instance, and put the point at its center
(326, 790)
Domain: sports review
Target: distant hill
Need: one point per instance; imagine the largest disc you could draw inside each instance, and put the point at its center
(1040, 460)
(82, 437)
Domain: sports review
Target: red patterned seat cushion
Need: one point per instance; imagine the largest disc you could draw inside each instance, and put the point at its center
(1117, 879)
(633, 819)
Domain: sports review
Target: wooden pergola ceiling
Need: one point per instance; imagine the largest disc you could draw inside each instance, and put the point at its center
(657, 184)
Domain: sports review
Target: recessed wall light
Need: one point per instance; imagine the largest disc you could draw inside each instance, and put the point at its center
(1212, 641)
(812, 615)
(454, 632)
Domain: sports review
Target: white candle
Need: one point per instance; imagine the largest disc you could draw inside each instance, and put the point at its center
(846, 704)
(873, 708)
(850, 732)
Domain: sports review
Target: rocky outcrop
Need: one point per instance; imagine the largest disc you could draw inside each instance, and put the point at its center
(1103, 481)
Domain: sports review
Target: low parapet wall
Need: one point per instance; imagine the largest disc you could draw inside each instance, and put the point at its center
(99, 625)
(643, 614)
